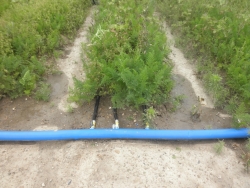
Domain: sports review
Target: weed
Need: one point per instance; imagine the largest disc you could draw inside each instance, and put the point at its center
(52, 104)
(176, 102)
(43, 92)
(148, 117)
(241, 118)
(213, 84)
(53, 69)
(247, 162)
(70, 109)
(232, 105)
(247, 156)
(130, 118)
(178, 148)
(56, 72)
(196, 112)
(219, 146)
(209, 127)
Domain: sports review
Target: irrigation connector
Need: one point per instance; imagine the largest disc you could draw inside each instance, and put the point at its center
(116, 125)
(144, 108)
(95, 113)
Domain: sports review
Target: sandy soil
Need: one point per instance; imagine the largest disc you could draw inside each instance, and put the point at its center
(116, 163)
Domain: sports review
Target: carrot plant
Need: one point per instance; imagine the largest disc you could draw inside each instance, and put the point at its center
(5, 4)
(218, 30)
(31, 31)
(126, 56)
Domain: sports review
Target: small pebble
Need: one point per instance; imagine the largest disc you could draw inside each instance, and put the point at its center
(43, 184)
(69, 182)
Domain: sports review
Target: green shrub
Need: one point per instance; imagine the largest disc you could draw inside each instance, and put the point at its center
(126, 56)
(30, 31)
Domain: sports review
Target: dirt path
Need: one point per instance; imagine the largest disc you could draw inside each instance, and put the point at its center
(119, 164)
(115, 163)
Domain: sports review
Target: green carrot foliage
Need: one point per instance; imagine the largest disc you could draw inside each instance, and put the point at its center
(30, 31)
(126, 56)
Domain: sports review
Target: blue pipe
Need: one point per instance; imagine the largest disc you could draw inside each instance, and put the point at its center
(136, 134)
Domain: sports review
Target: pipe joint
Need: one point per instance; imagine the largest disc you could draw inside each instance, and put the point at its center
(92, 124)
(116, 125)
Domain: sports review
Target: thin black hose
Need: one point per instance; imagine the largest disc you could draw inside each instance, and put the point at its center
(93, 122)
(96, 107)
(115, 113)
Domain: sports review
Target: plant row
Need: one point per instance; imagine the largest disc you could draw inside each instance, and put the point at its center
(219, 30)
(126, 56)
(31, 31)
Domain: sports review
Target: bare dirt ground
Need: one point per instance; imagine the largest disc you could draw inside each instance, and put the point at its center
(116, 163)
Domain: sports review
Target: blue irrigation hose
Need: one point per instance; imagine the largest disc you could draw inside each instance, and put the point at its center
(135, 134)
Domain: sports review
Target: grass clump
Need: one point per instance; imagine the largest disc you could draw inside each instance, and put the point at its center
(43, 92)
(126, 56)
(149, 116)
(246, 156)
(218, 31)
(219, 146)
(70, 109)
(31, 31)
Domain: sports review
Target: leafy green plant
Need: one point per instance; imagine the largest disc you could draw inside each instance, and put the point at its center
(126, 57)
(28, 82)
(219, 146)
